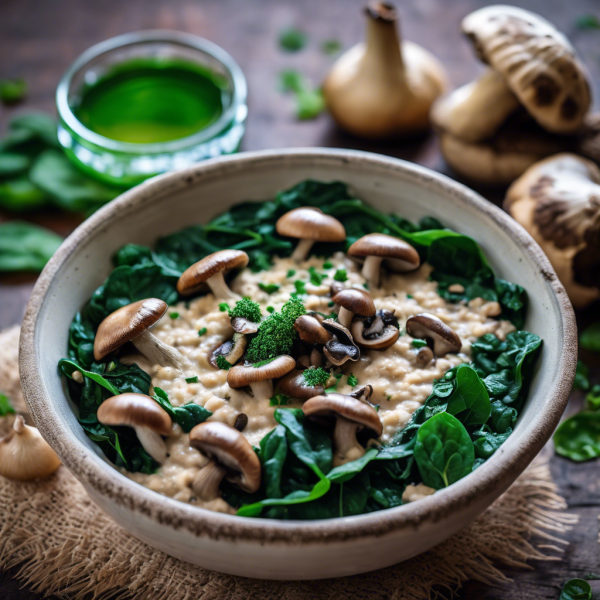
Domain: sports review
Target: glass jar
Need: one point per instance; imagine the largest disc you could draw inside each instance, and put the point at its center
(124, 163)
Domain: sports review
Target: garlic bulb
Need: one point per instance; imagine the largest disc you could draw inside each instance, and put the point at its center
(383, 88)
(25, 455)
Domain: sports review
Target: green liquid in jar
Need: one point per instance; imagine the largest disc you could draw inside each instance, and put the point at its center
(149, 101)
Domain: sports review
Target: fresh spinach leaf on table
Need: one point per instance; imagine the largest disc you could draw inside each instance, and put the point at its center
(590, 338)
(576, 589)
(578, 438)
(26, 247)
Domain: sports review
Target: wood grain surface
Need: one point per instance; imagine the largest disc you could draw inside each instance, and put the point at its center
(40, 38)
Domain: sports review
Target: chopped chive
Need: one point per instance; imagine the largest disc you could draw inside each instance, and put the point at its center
(316, 278)
(269, 287)
(327, 265)
(331, 303)
(409, 296)
(419, 343)
(174, 315)
(300, 287)
(340, 275)
(270, 309)
(352, 380)
(290, 273)
(223, 306)
(223, 363)
(202, 331)
(193, 379)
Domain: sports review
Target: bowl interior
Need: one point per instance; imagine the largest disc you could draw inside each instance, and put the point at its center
(172, 202)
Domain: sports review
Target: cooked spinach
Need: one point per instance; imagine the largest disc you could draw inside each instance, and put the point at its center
(26, 247)
(576, 589)
(186, 416)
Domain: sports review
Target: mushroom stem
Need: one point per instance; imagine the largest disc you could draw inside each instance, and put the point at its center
(152, 443)
(302, 250)
(383, 42)
(219, 288)
(371, 270)
(262, 389)
(345, 317)
(345, 443)
(207, 481)
(159, 353)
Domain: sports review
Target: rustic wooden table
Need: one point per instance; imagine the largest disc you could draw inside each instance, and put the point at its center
(38, 40)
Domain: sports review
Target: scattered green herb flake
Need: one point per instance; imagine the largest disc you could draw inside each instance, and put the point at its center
(279, 400)
(581, 381)
(331, 303)
(270, 288)
(273, 401)
(419, 343)
(5, 406)
(223, 306)
(587, 22)
(270, 309)
(300, 287)
(388, 398)
(262, 363)
(410, 296)
(174, 315)
(366, 285)
(309, 101)
(331, 46)
(223, 363)
(193, 379)
(315, 376)
(352, 380)
(376, 406)
(202, 332)
(12, 90)
(327, 265)
(290, 273)
(590, 338)
(111, 366)
(247, 309)
(315, 277)
(341, 275)
(292, 39)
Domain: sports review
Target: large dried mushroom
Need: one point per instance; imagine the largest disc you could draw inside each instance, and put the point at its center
(531, 102)
(558, 201)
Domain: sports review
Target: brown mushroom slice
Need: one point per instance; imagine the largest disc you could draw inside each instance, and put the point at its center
(210, 271)
(363, 393)
(353, 302)
(351, 416)
(427, 326)
(260, 378)
(149, 421)
(232, 350)
(376, 248)
(377, 332)
(294, 385)
(311, 330)
(309, 225)
(558, 201)
(341, 348)
(131, 323)
(231, 457)
(243, 325)
(537, 61)
(25, 455)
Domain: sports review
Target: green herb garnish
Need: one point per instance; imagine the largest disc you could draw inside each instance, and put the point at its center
(270, 288)
(316, 278)
(327, 265)
(279, 400)
(292, 39)
(290, 273)
(223, 363)
(340, 275)
(223, 306)
(174, 315)
(587, 22)
(418, 343)
(352, 380)
(314, 376)
(193, 379)
(246, 309)
(202, 331)
(300, 287)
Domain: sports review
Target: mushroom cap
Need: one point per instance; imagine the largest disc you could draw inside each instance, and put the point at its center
(341, 347)
(558, 201)
(241, 375)
(385, 336)
(135, 410)
(338, 405)
(193, 278)
(293, 385)
(310, 330)
(538, 62)
(398, 255)
(357, 301)
(232, 350)
(126, 324)
(230, 449)
(425, 325)
(243, 325)
(311, 224)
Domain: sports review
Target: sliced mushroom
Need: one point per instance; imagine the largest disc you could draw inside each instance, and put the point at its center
(232, 350)
(245, 326)
(424, 356)
(260, 379)
(363, 393)
(341, 348)
(131, 323)
(149, 421)
(231, 457)
(335, 287)
(376, 248)
(295, 386)
(210, 271)
(558, 201)
(311, 330)
(25, 454)
(351, 416)
(353, 302)
(377, 332)
(426, 326)
(309, 225)
(316, 358)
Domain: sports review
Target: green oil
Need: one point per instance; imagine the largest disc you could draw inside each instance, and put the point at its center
(152, 100)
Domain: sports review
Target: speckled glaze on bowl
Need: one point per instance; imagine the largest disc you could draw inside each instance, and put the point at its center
(273, 549)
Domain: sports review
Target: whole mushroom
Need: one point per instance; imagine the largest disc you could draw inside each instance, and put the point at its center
(351, 415)
(231, 457)
(377, 332)
(132, 323)
(260, 378)
(426, 326)
(558, 201)
(353, 302)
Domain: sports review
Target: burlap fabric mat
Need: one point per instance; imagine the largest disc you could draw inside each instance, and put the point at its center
(63, 544)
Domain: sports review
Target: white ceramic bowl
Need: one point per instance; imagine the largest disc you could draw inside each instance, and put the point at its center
(286, 549)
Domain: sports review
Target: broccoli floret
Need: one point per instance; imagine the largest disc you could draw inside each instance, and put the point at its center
(315, 376)
(223, 363)
(247, 309)
(276, 334)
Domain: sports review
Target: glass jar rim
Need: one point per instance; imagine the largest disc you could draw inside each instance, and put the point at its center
(195, 42)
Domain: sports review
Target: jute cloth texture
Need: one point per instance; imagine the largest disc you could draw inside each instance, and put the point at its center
(63, 544)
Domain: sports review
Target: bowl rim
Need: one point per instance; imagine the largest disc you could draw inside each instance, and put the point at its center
(104, 480)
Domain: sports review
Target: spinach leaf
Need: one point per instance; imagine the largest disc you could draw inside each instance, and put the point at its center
(578, 438)
(13, 164)
(444, 451)
(487, 442)
(35, 126)
(576, 589)
(12, 90)
(590, 338)
(186, 416)
(469, 401)
(5, 406)
(19, 194)
(26, 247)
